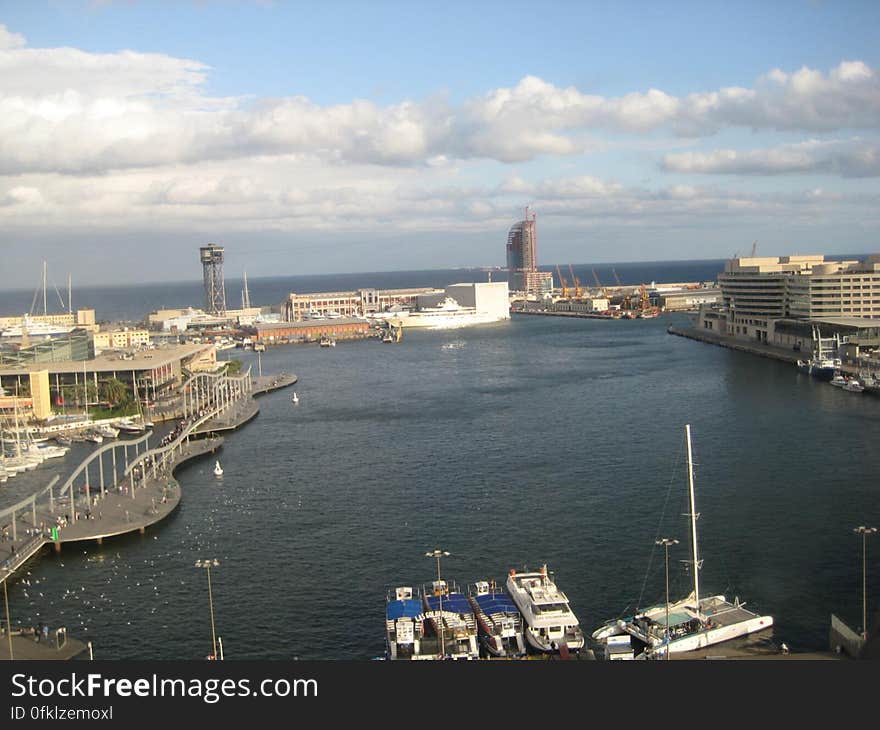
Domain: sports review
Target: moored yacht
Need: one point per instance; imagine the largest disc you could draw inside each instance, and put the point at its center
(500, 622)
(693, 622)
(452, 619)
(550, 624)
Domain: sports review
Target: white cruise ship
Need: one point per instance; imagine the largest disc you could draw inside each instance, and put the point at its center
(448, 314)
(35, 329)
(550, 622)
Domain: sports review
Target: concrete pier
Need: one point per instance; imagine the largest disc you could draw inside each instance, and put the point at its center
(25, 646)
(245, 409)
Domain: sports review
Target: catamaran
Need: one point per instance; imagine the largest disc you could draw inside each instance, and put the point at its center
(693, 622)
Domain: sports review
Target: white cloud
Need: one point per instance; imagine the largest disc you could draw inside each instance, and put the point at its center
(9, 39)
(73, 112)
(849, 158)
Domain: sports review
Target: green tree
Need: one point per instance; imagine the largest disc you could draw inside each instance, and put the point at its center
(116, 392)
(233, 367)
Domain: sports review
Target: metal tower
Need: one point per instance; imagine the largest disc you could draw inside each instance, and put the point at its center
(215, 289)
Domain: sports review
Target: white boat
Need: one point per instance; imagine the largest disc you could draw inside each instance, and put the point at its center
(49, 451)
(853, 386)
(35, 329)
(550, 624)
(94, 437)
(691, 623)
(127, 425)
(218, 470)
(449, 314)
(295, 398)
(107, 431)
(838, 380)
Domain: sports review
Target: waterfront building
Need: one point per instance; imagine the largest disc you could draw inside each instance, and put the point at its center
(309, 330)
(152, 374)
(74, 346)
(180, 320)
(522, 258)
(120, 339)
(757, 291)
(673, 300)
(359, 303)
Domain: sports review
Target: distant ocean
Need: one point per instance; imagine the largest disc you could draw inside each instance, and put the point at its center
(133, 302)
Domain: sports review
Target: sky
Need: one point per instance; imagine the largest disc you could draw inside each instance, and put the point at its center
(343, 136)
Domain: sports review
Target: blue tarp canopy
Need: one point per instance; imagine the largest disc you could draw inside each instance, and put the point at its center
(409, 607)
(499, 602)
(454, 602)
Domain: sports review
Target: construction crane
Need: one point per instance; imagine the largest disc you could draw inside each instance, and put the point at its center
(616, 277)
(601, 293)
(562, 282)
(576, 282)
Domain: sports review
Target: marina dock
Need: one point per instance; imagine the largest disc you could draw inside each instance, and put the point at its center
(27, 645)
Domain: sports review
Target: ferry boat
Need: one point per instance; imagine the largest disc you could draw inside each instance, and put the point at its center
(446, 315)
(694, 622)
(405, 626)
(550, 623)
(452, 619)
(500, 622)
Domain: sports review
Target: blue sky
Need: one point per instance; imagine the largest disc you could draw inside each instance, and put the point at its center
(346, 136)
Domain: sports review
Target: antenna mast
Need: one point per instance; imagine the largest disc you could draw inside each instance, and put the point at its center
(693, 516)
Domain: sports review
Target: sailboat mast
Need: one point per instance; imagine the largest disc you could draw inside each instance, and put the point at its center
(687, 430)
(45, 305)
(69, 294)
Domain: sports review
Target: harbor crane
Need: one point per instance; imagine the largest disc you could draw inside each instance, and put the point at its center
(616, 277)
(576, 282)
(562, 282)
(601, 293)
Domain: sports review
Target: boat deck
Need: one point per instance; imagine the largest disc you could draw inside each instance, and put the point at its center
(723, 613)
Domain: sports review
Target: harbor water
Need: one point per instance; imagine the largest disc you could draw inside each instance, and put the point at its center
(540, 440)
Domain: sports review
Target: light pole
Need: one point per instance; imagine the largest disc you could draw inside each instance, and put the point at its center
(438, 553)
(8, 622)
(666, 542)
(864, 531)
(207, 565)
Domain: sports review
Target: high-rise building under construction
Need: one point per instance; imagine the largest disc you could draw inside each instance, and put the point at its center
(215, 288)
(522, 258)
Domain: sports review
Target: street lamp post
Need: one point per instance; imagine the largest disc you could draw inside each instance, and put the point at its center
(666, 542)
(438, 553)
(8, 622)
(207, 564)
(864, 532)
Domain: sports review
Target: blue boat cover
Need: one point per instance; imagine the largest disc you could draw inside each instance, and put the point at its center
(499, 602)
(409, 607)
(454, 602)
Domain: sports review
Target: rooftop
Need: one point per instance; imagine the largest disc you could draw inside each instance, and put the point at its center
(112, 361)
